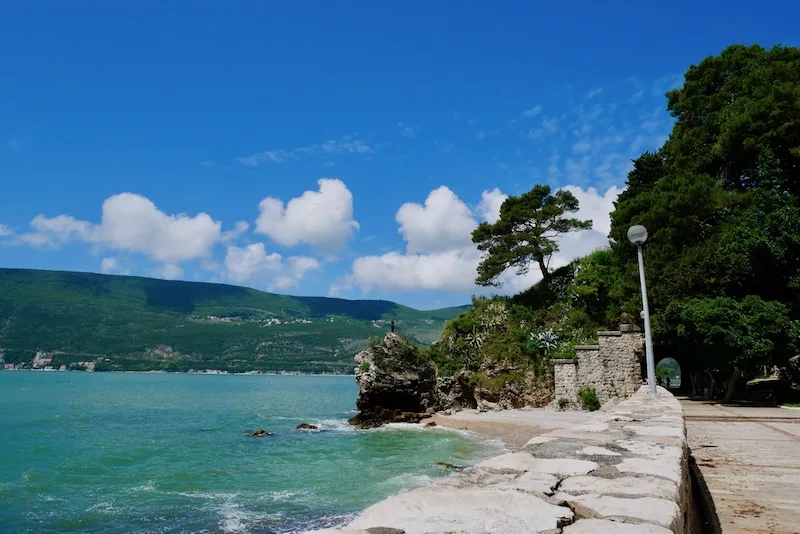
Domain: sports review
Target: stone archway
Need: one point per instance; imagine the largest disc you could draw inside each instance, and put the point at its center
(663, 353)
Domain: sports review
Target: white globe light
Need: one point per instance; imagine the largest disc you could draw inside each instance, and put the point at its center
(637, 234)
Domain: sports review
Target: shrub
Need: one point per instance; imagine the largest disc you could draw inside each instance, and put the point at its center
(589, 399)
(364, 366)
(563, 402)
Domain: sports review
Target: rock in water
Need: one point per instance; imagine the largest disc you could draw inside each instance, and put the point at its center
(431, 424)
(306, 426)
(259, 433)
(395, 383)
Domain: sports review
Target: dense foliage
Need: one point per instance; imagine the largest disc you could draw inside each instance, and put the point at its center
(132, 323)
(721, 201)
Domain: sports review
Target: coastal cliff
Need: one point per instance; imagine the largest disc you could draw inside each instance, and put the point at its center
(398, 382)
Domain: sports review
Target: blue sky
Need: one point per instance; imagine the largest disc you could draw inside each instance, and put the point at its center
(189, 141)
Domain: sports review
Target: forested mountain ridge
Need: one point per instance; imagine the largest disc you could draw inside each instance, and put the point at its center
(135, 323)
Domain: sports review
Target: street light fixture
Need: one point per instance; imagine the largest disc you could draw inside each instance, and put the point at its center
(638, 235)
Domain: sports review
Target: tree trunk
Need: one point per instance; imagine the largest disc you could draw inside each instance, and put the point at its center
(543, 268)
(732, 384)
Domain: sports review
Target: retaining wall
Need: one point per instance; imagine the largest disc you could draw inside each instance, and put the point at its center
(624, 472)
(612, 367)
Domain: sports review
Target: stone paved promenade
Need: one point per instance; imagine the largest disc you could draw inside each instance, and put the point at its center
(750, 460)
(624, 471)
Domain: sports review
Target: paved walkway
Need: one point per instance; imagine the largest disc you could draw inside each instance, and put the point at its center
(750, 460)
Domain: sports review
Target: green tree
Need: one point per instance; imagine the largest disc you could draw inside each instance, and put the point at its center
(526, 232)
(721, 201)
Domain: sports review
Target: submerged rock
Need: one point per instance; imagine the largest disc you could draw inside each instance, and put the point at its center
(430, 424)
(448, 465)
(259, 433)
(306, 426)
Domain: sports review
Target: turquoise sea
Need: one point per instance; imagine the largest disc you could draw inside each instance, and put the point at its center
(148, 452)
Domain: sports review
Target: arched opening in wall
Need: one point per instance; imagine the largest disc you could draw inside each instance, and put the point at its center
(668, 374)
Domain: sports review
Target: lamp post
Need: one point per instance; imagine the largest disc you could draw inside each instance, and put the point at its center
(638, 235)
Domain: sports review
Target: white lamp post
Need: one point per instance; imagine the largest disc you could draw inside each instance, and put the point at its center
(638, 235)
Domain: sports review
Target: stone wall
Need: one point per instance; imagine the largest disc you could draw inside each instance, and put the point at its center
(612, 367)
(624, 472)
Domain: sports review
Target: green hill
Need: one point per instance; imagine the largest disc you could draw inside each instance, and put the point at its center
(135, 323)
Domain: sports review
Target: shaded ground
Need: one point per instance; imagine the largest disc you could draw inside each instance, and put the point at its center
(514, 427)
(750, 460)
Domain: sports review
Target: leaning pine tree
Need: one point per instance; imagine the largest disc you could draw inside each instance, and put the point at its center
(526, 233)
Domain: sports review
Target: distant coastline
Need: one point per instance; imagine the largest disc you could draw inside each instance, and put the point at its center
(205, 372)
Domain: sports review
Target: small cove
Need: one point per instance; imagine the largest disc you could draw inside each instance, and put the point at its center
(129, 452)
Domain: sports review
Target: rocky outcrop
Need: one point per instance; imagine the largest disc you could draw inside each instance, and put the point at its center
(455, 392)
(260, 433)
(306, 426)
(395, 383)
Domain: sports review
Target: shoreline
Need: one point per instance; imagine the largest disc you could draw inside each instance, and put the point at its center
(514, 427)
(246, 373)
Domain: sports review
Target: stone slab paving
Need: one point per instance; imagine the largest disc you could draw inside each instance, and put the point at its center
(625, 471)
(750, 460)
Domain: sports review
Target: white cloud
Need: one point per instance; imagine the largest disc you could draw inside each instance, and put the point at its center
(345, 145)
(132, 223)
(546, 128)
(243, 264)
(168, 271)
(489, 207)
(594, 206)
(440, 254)
(240, 228)
(5, 231)
(532, 112)
(108, 265)
(322, 219)
(445, 271)
(442, 224)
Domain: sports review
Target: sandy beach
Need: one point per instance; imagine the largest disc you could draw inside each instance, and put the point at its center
(514, 427)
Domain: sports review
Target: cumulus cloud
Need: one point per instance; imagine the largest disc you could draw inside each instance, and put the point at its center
(5, 231)
(132, 223)
(443, 223)
(244, 264)
(440, 254)
(322, 219)
(489, 207)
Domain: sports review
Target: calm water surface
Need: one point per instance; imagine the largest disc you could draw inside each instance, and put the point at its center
(127, 452)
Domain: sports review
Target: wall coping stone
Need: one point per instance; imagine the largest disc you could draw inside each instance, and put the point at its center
(565, 361)
(586, 347)
(609, 333)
